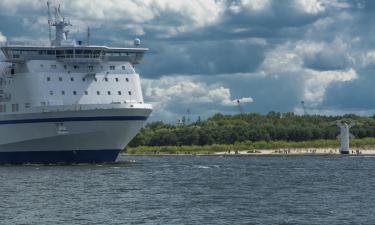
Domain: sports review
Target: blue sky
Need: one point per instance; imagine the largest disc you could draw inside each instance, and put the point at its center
(205, 54)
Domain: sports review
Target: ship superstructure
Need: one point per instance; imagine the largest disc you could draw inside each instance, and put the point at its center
(69, 102)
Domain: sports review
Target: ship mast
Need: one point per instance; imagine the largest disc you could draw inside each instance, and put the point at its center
(60, 23)
(49, 21)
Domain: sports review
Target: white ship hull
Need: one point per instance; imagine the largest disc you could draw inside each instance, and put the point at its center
(83, 136)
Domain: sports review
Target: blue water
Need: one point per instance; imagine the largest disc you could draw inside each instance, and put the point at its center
(193, 190)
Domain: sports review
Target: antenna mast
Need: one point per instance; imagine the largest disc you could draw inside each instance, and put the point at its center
(88, 36)
(49, 21)
(304, 108)
(240, 107)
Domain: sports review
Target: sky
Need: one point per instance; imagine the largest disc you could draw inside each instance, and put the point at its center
(206, 54)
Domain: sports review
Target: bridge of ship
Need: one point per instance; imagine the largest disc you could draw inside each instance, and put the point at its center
(75, 54)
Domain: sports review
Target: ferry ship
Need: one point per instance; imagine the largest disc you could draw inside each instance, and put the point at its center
(68, 102)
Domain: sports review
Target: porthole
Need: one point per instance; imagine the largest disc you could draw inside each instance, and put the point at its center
(60, 78)
(86, 93)
(119, 92)
(109, 93)
(48, 79)
(98, 92)
(62, 92)
(116, 79)
(74, 93)
(106, 79)
(72, 79)
(127, 79)
(130, 93)
(50, 92)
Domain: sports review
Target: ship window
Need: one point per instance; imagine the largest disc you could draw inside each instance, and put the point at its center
(27, 105)
(91, 68)
(48, 78)
(53, 66)
(65, 67)
(98, 92)
(74, 93)
(60, 78)
(130, 93)
(86, 93)
(83, 79)
(123, 67)
(109, 93)
(3, 108)
(112, 67)
(50, 92)
(127, 79)
(106, 79)
(76, 67)
(116, 79)
(49, 52)
(119, 92)
(14, 107)
(63, 92)
(95, 79)
(72, 79)
(59, 52)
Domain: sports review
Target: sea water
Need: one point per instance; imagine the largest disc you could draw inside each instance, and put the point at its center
(193, 190)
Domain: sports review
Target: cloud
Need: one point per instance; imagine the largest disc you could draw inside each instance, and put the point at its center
(244, 100)
(290, 60)
(325, 56)
(317, 82)
(2, 38)
(169, 93)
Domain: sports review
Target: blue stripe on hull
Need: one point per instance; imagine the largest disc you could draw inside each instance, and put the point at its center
(75, 119)
(55, 157)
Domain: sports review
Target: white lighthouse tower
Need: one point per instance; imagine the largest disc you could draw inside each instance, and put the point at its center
(344, 136)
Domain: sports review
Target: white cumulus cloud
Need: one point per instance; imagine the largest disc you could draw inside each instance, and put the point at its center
(289, 60)
(187, 91)
(2, 38)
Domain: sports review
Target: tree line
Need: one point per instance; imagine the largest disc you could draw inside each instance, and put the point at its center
(230, 129)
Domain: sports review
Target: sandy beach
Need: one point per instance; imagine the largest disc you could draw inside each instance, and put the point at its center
(303, 151)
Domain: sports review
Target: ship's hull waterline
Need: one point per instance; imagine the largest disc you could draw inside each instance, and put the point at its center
(87, 136)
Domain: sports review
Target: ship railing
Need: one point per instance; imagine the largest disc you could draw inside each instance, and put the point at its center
(25, 43)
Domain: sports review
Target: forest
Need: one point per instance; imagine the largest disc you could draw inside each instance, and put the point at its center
(274, 127)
